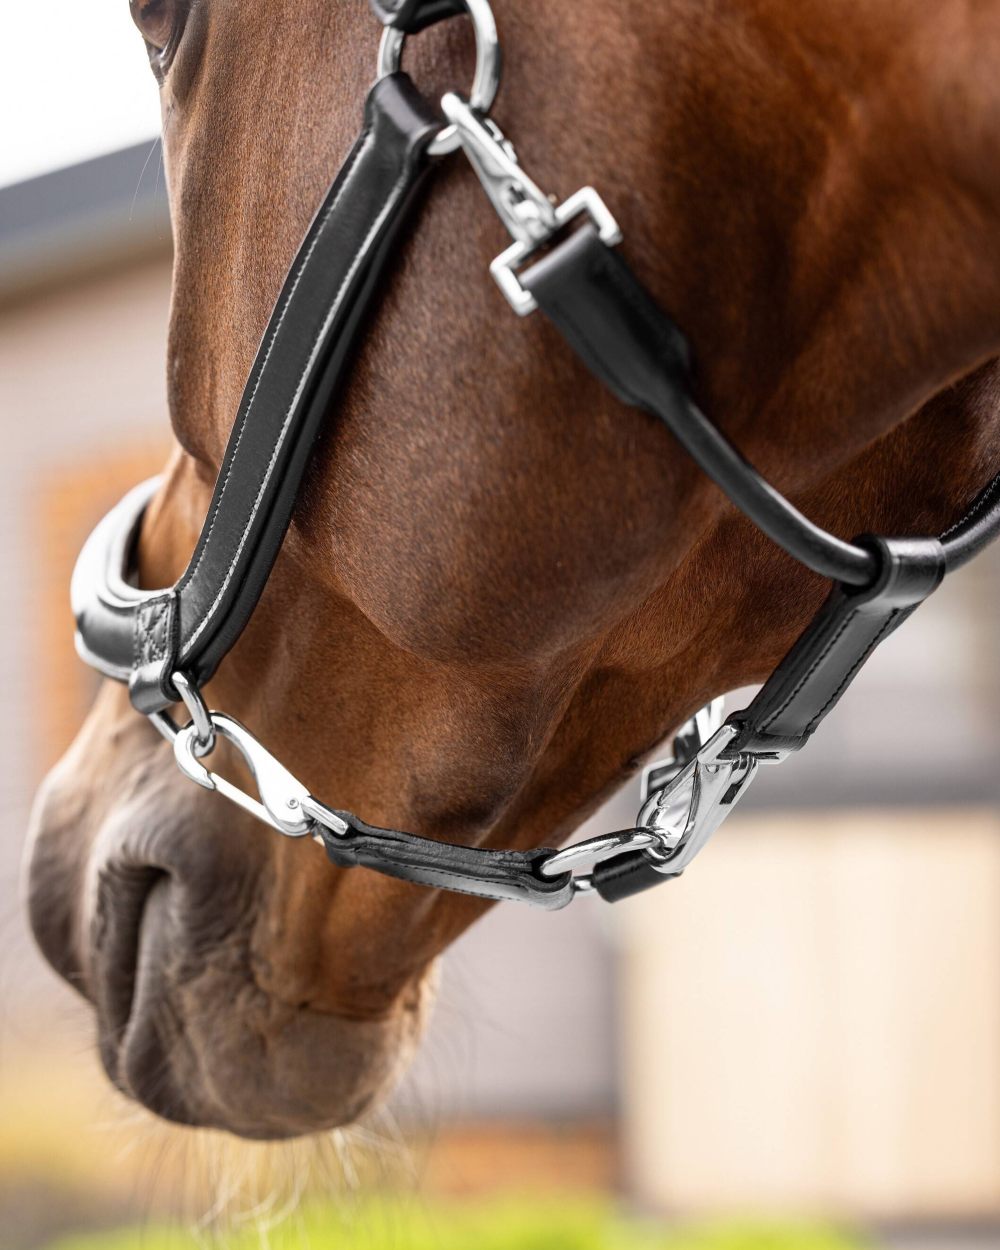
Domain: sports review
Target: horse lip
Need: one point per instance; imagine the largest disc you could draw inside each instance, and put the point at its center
(165, 945)
(130, 1042)
(122, 896)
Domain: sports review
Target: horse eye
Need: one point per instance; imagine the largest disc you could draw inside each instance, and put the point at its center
(156, 20)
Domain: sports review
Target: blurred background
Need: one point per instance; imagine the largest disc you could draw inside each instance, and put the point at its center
(797, 1045)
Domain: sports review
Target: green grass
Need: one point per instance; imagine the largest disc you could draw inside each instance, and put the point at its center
(507, 1225)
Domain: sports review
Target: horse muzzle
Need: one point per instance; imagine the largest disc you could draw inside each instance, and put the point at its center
(177, 922)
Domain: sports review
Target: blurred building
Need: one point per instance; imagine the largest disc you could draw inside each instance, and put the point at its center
(809, 1020)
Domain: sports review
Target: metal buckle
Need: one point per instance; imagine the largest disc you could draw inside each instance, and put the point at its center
(531, 217)
(486, 78)
(593, 850)
(284, 804)
(201, 717)
(675, 821)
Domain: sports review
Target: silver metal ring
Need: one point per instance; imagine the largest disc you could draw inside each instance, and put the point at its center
(593, 850)
(201, 717)
(485, 80)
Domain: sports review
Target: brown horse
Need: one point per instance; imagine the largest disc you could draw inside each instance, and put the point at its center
(501, 588)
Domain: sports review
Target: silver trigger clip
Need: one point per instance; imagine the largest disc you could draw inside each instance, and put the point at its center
(532, 218)
(526, 211)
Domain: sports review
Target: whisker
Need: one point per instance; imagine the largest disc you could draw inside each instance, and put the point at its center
(142, 172)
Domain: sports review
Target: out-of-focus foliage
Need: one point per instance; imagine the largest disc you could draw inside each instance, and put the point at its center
(507, 1225)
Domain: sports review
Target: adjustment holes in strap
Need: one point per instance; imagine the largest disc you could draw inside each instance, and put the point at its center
(486, 77)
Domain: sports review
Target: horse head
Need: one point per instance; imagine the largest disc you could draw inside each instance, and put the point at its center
(501, 588)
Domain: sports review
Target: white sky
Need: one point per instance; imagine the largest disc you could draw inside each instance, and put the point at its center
(74, 82)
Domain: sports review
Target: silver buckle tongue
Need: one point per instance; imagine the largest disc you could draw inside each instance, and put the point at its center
(531, 216)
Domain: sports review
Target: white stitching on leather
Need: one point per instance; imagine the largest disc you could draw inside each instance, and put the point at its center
(190, 573)
(334, 309)
(797, 689)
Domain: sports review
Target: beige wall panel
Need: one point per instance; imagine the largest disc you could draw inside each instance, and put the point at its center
(812, 1019)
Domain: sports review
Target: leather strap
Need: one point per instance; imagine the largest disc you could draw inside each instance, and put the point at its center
(587, 290)
(301, 360)
(611, 321)
(497, 875)
(812, 677)
(412, 16)
(627, 875)
(976, 530)
(810, 680)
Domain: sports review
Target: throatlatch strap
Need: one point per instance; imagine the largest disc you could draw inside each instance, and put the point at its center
(587, 290)
(612, 322)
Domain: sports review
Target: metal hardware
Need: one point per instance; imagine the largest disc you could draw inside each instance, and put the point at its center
(527, 212)
(531, 217)
(677, 818)
(320, 814)
(282, 798)
(687, 811)
(201, 717)
(687, 742)
(485, 79)
(593, 850)
(503, 268)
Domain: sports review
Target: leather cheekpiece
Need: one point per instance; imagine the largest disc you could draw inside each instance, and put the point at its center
(302, 359)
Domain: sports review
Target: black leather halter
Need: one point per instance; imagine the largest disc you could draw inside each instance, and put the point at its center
(165, 644)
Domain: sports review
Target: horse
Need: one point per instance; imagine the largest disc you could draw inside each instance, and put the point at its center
(501, 588)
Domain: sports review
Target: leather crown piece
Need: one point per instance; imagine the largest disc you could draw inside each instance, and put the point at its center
(592, 296)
